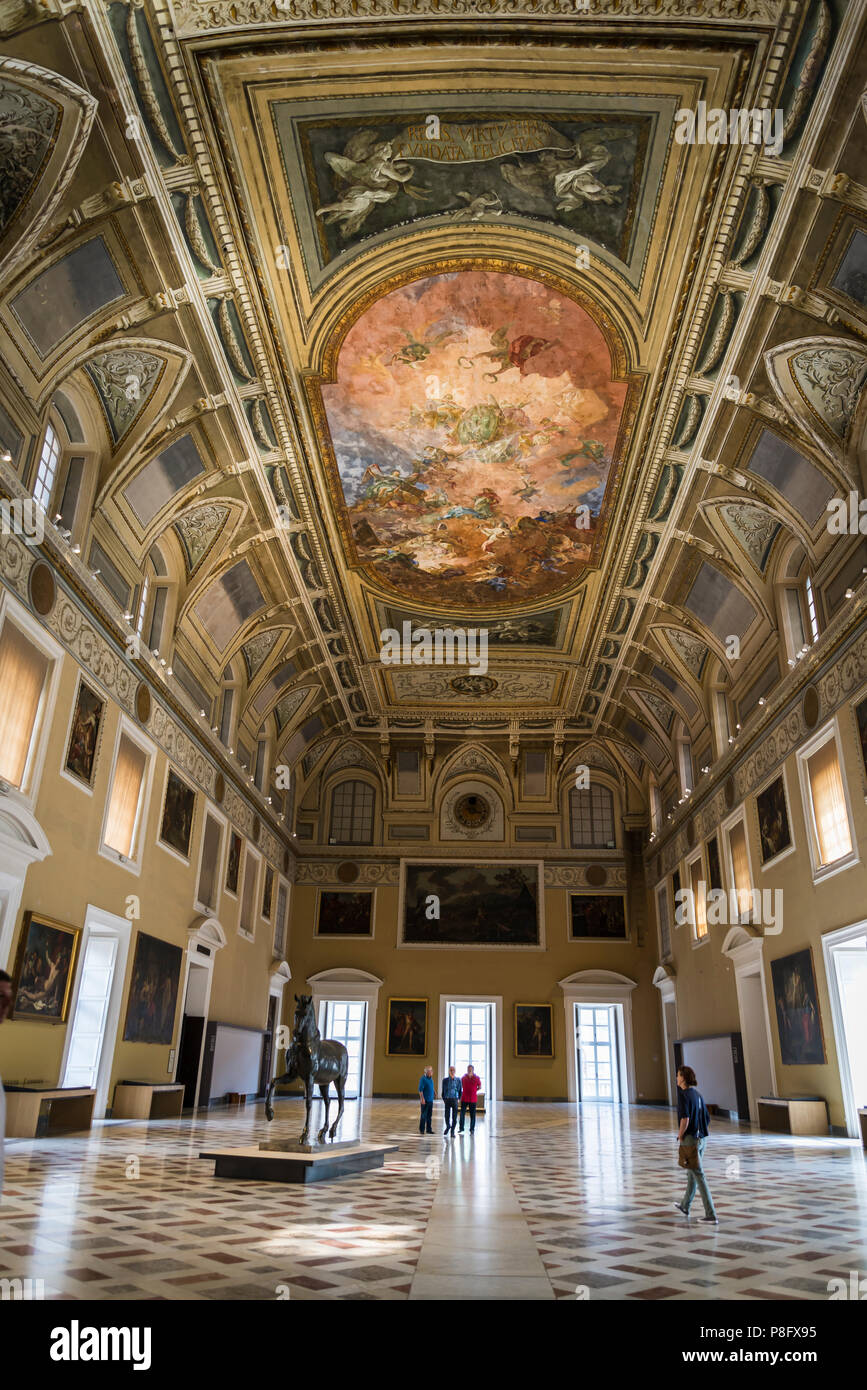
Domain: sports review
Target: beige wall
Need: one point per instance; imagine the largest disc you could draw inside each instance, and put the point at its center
(705, 983)
(519, 976)
(75, 875)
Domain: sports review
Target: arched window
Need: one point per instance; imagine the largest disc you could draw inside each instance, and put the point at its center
(591, 815)
(352, 806)
(683, 745)
(227, 706)
(655, 806)
(46, 470)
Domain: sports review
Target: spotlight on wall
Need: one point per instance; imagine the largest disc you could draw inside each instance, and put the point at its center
(169, 671)
(76, 550)
(6, 456)
(127, 617)
(849, 593)
(762, 700)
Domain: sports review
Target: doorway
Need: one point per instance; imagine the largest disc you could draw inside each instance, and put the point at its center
(195, 1017)
(469, 1040)
(95, 1011)
(755, 1039)
(598, 1035)
(346, 1022)
(846, 968)
(669, 1033)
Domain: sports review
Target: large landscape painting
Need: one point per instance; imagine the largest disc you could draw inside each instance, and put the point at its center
(474, 423)
(471, 905)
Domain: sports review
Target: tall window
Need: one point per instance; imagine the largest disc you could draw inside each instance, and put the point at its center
(833, 838)
(664, 924)
(124, 805)
(591, 811)
(280, 922)
(46, 471)
(698, 886)
(352, 814)
(143, 604)
(23, 672)
(810, 605)
(248, 896)
(740, 866)
(209, 877)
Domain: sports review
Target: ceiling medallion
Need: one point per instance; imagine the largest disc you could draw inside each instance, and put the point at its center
(472, 811)
(473, 685)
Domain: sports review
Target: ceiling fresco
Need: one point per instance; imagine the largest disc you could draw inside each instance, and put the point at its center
(473, 414)
(579, 172)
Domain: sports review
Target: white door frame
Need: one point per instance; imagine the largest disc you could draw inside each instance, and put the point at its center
(280, 977)
(746, 953)
(830, 941)
(496, 1035)
(347, 984)
(207, 932)
(22, 842)
(663, 978)
(98, 922)
(600, 987)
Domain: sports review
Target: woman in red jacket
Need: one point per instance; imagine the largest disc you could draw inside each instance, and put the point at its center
(470, 1084)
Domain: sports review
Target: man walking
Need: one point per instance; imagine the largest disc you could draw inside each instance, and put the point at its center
(470, 1084)
(451, 1094)
(426, 1100)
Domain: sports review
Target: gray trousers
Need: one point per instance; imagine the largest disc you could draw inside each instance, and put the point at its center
(696, 1180)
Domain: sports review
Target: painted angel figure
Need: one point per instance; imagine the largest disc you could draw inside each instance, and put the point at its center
(373, 176)
(566, 174)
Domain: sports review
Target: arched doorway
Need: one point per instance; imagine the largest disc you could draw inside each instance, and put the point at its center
(600, 1051)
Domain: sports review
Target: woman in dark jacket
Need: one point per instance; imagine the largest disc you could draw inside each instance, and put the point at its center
(692, 1132)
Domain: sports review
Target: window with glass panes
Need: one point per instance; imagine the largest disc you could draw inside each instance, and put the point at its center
(47, 470)
(352, 814)
(345, 1022)
(597, 1043)
(591, 811)
(470, 1040)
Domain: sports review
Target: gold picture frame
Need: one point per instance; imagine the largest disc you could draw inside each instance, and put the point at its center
(402, 1027)
(534, 1030)
(44, 969)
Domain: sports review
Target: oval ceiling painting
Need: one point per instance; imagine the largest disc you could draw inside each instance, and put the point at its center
(475, 426)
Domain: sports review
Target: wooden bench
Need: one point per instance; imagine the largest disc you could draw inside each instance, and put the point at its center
(793, 1115)
(862, 1116)
(33, 1112)
(148, 1100)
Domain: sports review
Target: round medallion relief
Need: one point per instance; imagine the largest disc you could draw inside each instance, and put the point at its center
(43, 590)
(596, 876)
(143, 704)
(472, 811)
(347, 873)
(219, 788)
(810, 707)
(729, 792)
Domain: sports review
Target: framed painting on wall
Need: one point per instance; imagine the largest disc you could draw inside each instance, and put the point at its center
(345, 913)
(153, 991)
(799, 1019)
(714, 868)
(534, 1030)
(773, 814)
(179, 804)
(44, 969)
(597, 917)
(267, 892)
(233, 862)
(486, 904)
(407, 1028)
(860, 712)
(84, 732)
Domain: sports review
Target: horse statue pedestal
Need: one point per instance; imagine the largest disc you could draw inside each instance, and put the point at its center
(294, 1163)
(294, 1146)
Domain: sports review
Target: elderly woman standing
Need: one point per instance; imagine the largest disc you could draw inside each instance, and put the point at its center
(692, 1133)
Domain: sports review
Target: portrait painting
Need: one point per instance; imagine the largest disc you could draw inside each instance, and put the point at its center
(773, 816)
(87, 718)
(267, 892)
(45, 969)
(714, 868)
(153, 991)
(407, 1028)
(861, 722)
(460, 904)
(233, 861)
(534, 1030)
(599, 916)
(475, 426)
(345, 914)
(177, 824)
(796, 1000)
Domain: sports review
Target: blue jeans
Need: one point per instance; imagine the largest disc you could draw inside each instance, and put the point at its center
(424, 1121)
(451, 1115)
(695, 1178)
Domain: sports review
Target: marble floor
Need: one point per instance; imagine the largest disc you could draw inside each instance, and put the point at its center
(544, 1202)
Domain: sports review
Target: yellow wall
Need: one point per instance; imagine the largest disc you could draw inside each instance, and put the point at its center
(518, 976)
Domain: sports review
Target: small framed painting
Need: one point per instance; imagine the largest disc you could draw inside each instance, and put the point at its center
(407, 1028)
(534, 1030)
(860, 712)
(153, 992)
(84, 732)
(233, 862)
(345, 913)
(179, 804)
(44, 969)
(773, 814)
(597, 917)
(714, 868)
(799, 1020)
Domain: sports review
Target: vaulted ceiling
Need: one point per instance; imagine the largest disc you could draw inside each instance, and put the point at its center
(433, 319)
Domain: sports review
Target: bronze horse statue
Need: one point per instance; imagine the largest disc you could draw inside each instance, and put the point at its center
(317, 1061)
